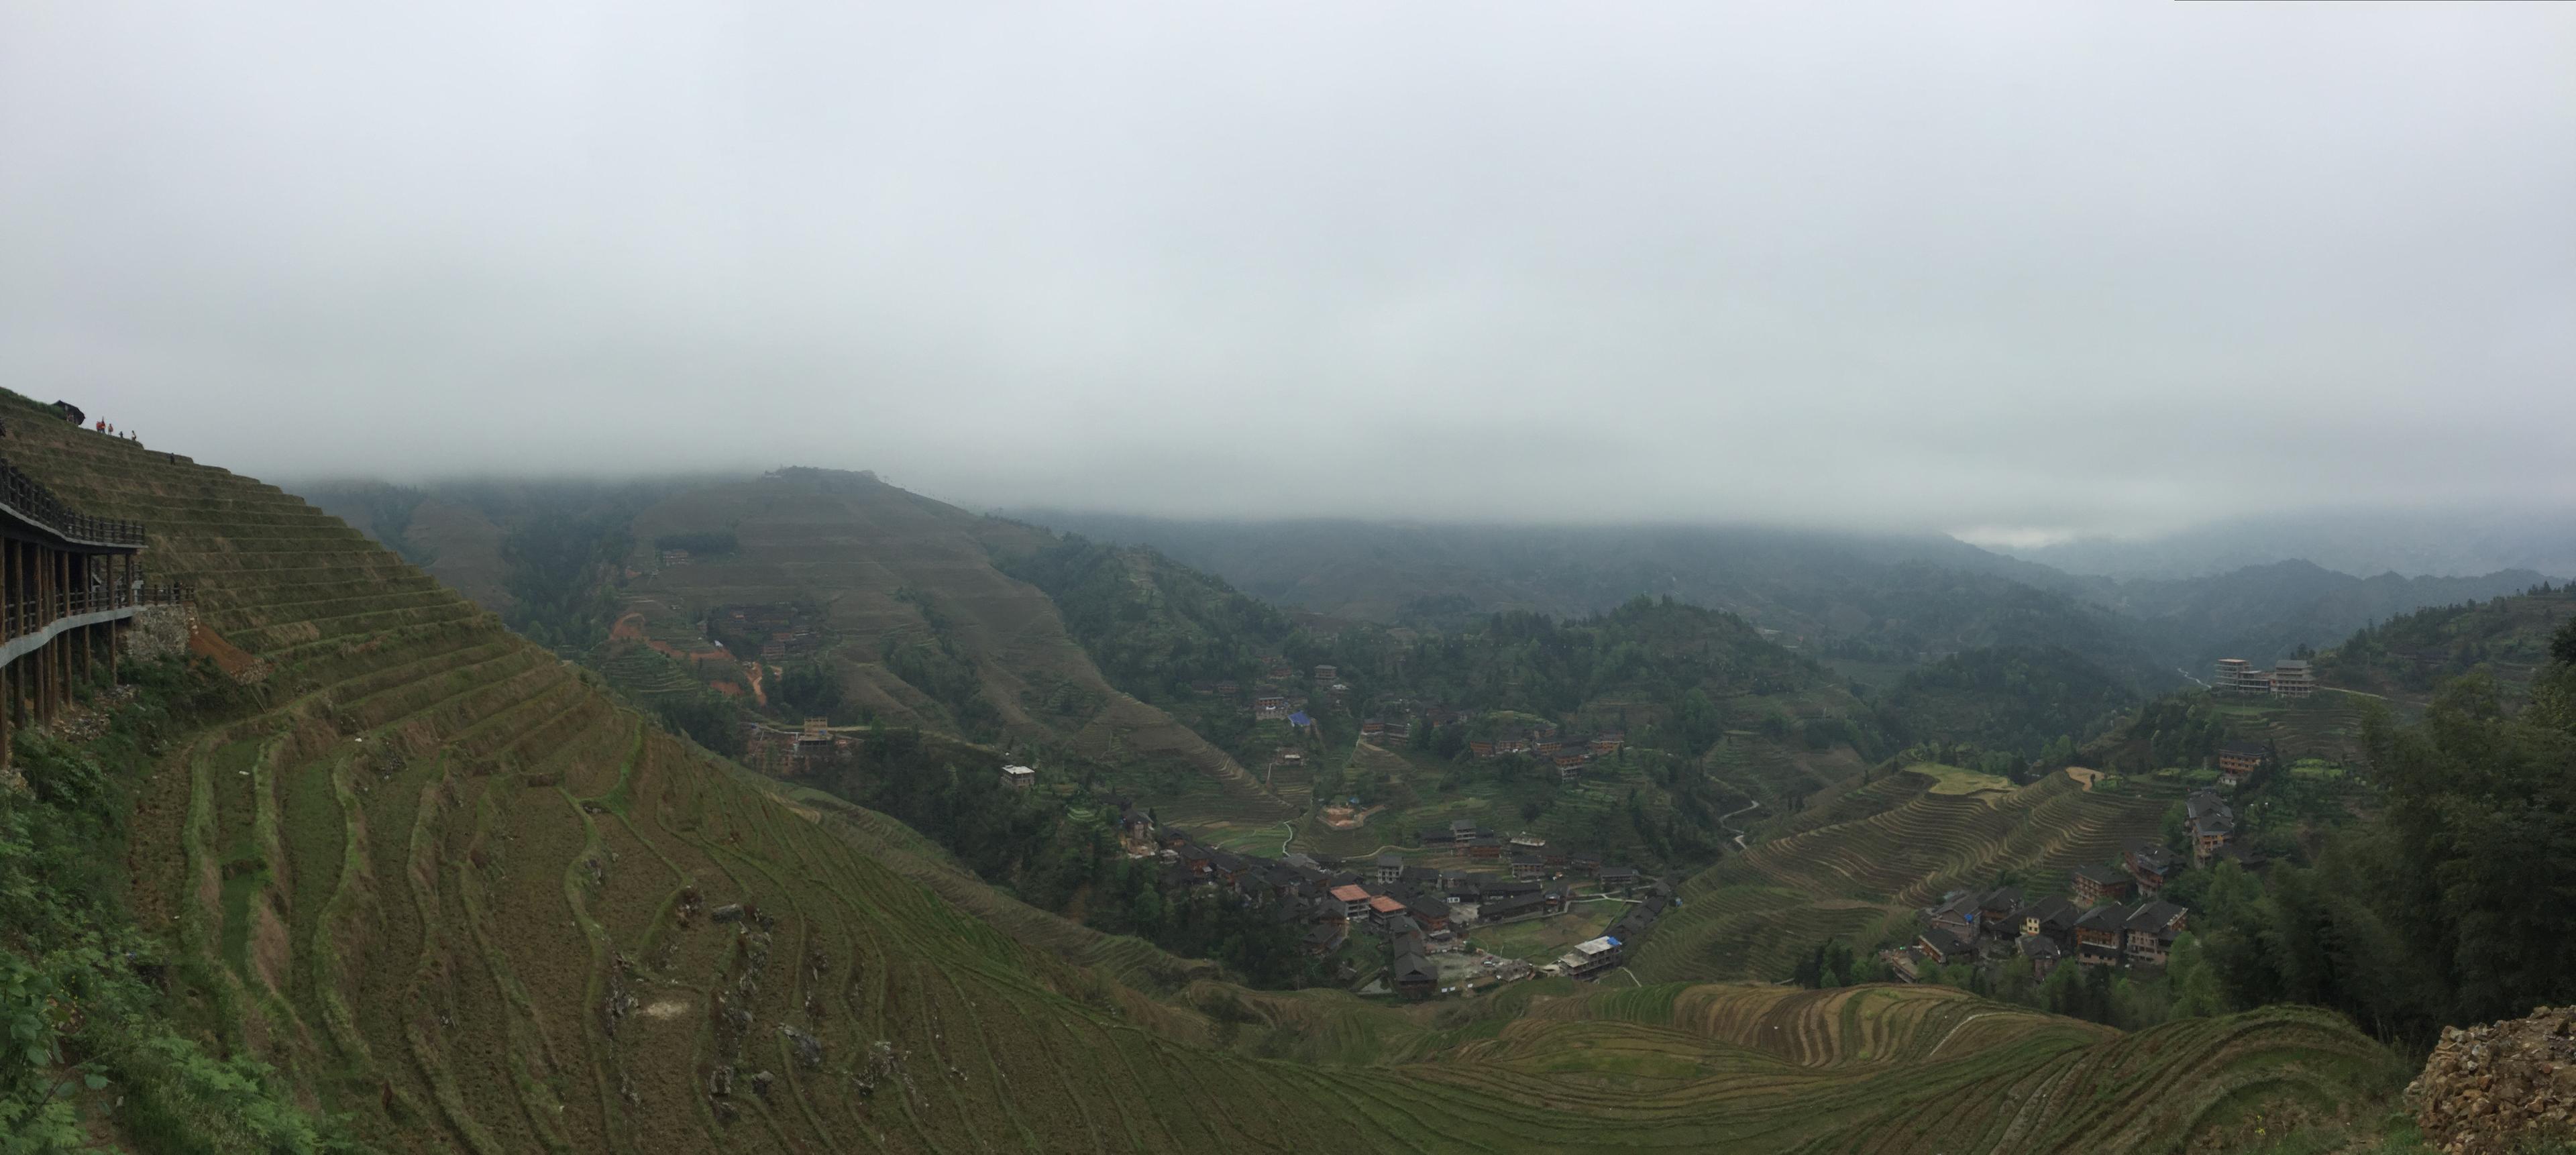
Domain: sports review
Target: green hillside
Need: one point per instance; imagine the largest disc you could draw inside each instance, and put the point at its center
(1152, 625)
(1861, 863)
(465, 902)
(1851, 597)
(2016, 699)
(916, 626)
(1713, 714)
(2410, 654)
(2273, 611)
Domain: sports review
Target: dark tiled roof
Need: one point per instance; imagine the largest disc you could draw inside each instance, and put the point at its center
(2112, 916)
(2049, 911)
(1943, 941)
(2156, 915)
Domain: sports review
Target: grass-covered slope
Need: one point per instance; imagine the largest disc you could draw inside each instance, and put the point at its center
(921, 628)
(468, 902)
(1851, 866)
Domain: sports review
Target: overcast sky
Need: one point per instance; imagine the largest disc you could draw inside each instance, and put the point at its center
(2016, 269)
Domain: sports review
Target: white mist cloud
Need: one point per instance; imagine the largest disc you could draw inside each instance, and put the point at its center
(2056, 268)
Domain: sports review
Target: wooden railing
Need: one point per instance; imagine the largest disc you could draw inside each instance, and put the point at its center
(38, 504)
(26, 615)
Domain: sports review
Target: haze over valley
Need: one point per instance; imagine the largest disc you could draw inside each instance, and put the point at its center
(814, 578)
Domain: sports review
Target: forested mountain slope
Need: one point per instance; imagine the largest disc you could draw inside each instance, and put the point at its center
(2410, 654)
(1878, 598)
(914, 622)
(1709, 715)
(2017, 699)
(1890, 599)
(455, 542)
(2261, 613)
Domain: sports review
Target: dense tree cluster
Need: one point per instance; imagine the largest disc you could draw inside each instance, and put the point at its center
(1028, 844)
(1153, 627)
(559, 566)
(2010, 698)
(2452, 903)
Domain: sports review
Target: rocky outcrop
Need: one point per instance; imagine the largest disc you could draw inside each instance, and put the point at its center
(2491, 1090)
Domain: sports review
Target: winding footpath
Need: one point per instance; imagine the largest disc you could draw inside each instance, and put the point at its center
(1739, 835)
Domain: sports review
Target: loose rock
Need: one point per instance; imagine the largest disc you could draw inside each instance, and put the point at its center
(2496, 1088)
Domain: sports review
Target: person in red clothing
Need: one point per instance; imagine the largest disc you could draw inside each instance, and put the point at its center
(102, 426)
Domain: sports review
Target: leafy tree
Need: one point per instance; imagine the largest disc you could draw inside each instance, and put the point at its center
(711, 720)
(810, 690)
(559, 565)
(2020, 699)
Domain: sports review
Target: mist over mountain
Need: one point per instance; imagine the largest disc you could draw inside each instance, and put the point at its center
(2359, 542)
(1880, 598)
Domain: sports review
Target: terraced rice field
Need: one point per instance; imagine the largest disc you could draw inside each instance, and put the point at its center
(1866, 860)
(465, 900)
(2326, 726)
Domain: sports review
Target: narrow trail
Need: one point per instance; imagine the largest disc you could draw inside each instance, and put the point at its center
(1954, 1030)
(1739, 835)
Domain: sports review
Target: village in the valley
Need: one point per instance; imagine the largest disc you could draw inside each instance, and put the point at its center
(1460, 906)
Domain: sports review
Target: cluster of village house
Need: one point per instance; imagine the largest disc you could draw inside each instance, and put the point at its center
(782, 632)
(1419, 911)
(1273, 695)
(1549, 744)
(2099, 926)
(1568, 753)
(2288, 678)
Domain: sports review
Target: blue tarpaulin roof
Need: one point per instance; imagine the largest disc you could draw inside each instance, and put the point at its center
(1300, 719)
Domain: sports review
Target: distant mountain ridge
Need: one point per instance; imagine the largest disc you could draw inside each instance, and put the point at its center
(2267, 612)
(1909, 599)
(2448, 543)
(1905, 599)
